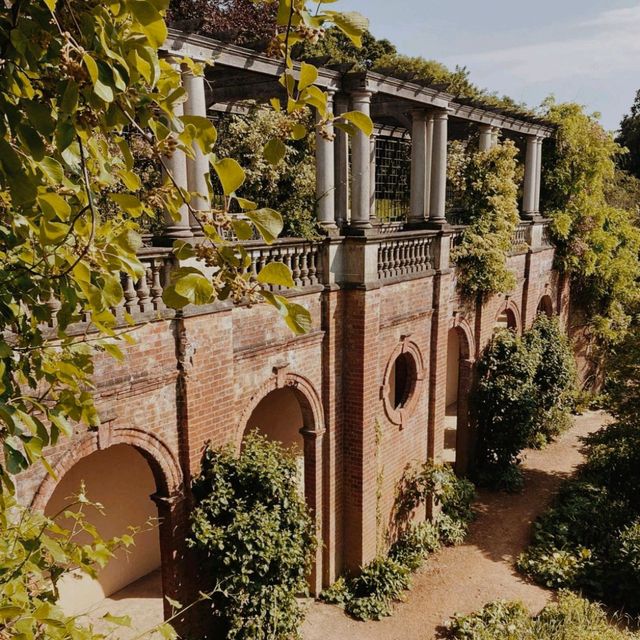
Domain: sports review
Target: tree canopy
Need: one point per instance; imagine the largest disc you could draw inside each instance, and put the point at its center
(629, 137)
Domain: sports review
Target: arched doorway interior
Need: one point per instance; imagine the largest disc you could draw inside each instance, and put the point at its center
(278, 416)
(545, 306)
(457, 438)
(120, 479)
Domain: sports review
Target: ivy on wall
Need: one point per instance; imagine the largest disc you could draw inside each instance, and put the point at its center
(489, 192)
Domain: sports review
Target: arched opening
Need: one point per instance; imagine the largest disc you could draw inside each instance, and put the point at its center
(506, 320)
(292, 415)
(120, 479)
(545, 306)
(278, 416)
(457, 441)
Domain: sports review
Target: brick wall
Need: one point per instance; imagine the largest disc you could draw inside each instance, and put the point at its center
(196, 379)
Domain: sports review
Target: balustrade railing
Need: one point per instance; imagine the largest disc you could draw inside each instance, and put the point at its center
(403, 255)
(519, 241)
(301, 257)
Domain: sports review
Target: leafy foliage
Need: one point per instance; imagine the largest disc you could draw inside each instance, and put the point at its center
(523, 398)
(489, 201)
(371, 594)
(590, 538)
(597, 243)
(286, 184)
(629, 137)
(36, 555)
(254, 535)
(572, 618)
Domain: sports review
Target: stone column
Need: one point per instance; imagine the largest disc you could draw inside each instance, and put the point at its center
(418, 211)
(494, 136)
(325, 172)
(198, 166)
(530, 180)
(372, 177)
(486, 137)
(538, 175)
(439, 168)
(176, 165)
(360, 164)
(313, 441)
(341, 150)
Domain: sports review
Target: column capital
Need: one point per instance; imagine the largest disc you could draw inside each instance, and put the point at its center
(361, 95)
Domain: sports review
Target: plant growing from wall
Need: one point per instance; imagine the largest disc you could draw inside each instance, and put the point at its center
(371, 594)
(490, 209)
(597, 243)
(253, 533)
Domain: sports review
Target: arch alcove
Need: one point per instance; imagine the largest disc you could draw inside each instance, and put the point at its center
(545, 305)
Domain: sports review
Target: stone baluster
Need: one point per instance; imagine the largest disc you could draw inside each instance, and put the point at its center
(143, 292)
(156, 284)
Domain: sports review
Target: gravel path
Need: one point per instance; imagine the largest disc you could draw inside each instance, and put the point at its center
(462, 579)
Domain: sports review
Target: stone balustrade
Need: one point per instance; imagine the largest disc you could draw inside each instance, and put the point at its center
(300, 256)
(519, 238)
(405, 255)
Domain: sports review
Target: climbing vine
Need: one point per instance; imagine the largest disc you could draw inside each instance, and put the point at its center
(597, 243)
(488, 188)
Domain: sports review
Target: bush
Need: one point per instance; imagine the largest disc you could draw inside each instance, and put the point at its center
(590, 537)
(572, 618)
(523, 398)
(254, 536)
(371, 595)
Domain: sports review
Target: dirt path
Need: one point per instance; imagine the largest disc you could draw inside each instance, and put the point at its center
(463, 579)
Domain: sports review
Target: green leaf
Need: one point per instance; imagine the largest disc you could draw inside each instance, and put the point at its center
(130, 180)
(308, 75)
(61, 422)
(205, 133)
(268, 222)
(352, 24)
(51, 4)
(172, 299)
(120, 621)
(242, 229)
(195, 287)
(274, 151)
(53, 206)
(360, 120)
(298, 132)
(183, 250)
(230, 173)
(276, 273)
(52, 169)
(150, 20)
(129, 203)
(52, 232)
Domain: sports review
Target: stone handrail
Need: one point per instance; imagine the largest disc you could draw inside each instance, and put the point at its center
(519, 237)
(301, 256)
(405, 255)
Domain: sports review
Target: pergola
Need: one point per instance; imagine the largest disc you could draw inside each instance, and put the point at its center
(346, 169)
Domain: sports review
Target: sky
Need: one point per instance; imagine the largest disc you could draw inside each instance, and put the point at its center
(585, 51)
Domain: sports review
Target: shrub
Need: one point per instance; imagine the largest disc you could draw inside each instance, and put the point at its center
(254, 536)
(590, 537)
(373, 592)
(524, 397)
(572, 618)
(371, 595)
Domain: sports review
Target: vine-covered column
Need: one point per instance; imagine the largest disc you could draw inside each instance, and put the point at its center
(538, 174)
(437, 205)
(176, 165)
(198, 166)
(361, 167)
(325, 172)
